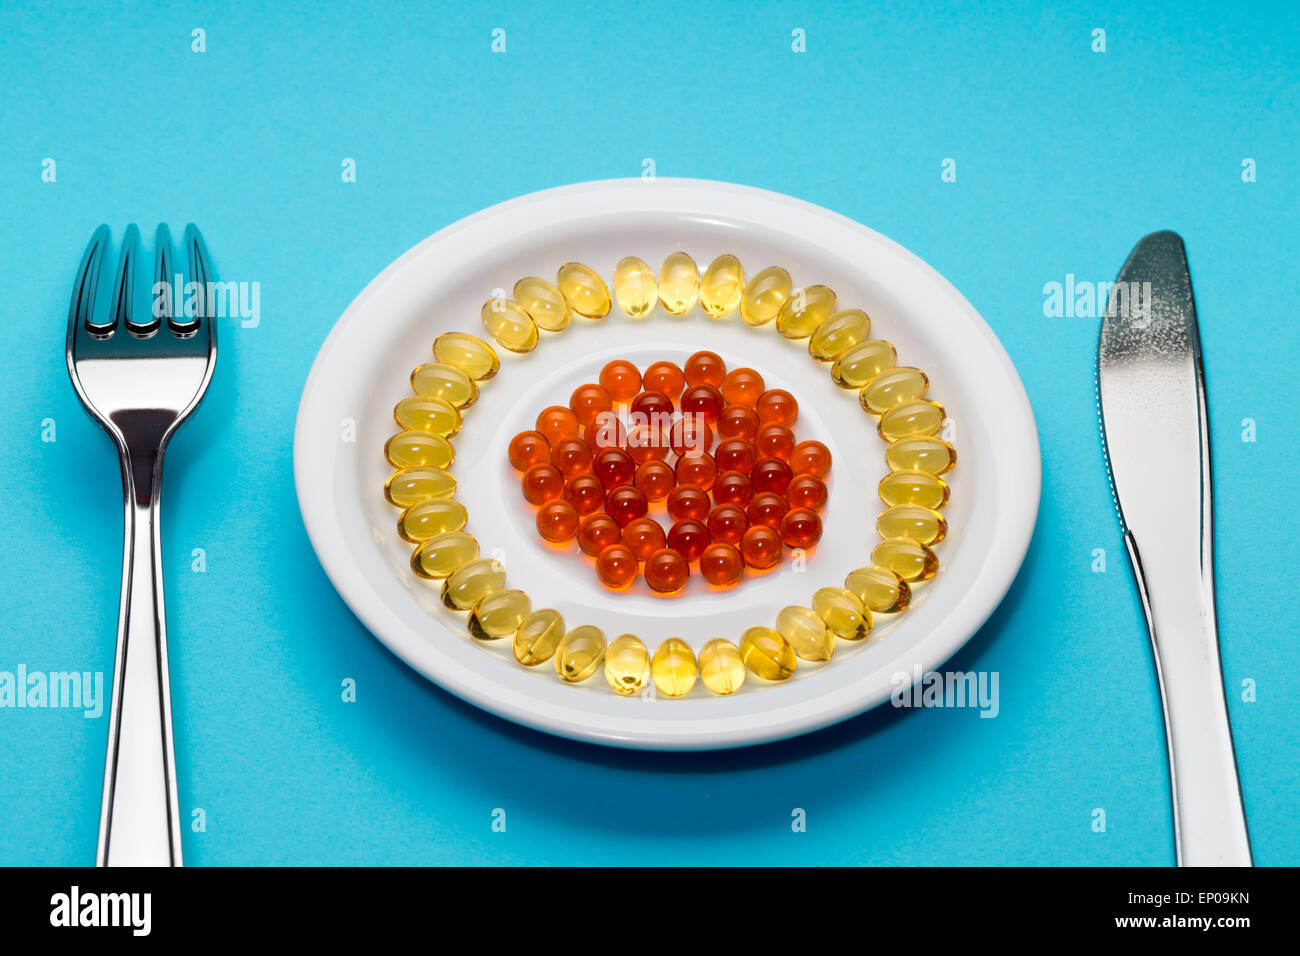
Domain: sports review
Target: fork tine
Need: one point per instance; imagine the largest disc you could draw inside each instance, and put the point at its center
(161, 304)
(122, 312)
(200, 276)
(81, 313)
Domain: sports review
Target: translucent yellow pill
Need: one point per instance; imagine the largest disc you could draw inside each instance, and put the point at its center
(911, 418)
(445, 553)
(583, 289)
(806, 632)
(839, 333)
(879, 589)
(767, 653)
(843, 613)
(674, 667)
(862, 363)
(498, 614)
(805, 311)
(544, 303)
(627, 665)
(921, 453)
(510, 326)
(679, 283)
(425, 520)
(909, 559)
(421, 413)
(912, 521)
(635, 287)
(469, 353)
(722, 669)
(892, 387)
(446, 382)
(538, 636)
(408, 449)
(472, 582)
(407, 486)
(764, 295)
(913, 488)
(580, 653)
(721, 286)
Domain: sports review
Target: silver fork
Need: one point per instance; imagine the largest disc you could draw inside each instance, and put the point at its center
(140, 372)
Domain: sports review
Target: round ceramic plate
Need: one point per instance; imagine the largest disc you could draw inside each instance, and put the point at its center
(363, 369)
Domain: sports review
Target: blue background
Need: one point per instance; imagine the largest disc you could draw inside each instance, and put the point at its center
(1065, 157)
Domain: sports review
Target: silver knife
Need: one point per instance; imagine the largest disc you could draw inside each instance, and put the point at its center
(1151, 397)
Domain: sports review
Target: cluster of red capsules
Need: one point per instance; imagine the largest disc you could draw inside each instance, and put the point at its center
(594, 474)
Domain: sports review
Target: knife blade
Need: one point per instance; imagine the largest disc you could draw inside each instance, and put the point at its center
(1152, 404)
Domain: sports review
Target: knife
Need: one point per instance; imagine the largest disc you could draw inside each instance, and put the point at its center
(1151, 399)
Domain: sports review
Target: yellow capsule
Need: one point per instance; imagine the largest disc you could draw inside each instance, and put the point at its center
(472, 582)
(862, 363)
(722, 669)
(843, 613)
(912, 521)
(806, 632)
(635, 287)
(911, 418)
(767, 653)
(805, 311)
(627, 665)
(893, 387)
(764, 295)
(409, 449)
(422, 413)
(879, 589)
(910, 560)
(921, 453)
(583, 289)
(674, 667)
(498, 614)
(913, 488)
(427, 519)
(446, 382)
(411, 485)
(509, 325)
(839, 333)
(721, 286)
(544, 303)
(580, 653)
(679, 283)
(538, 636)
(445, 553)
(469, 353)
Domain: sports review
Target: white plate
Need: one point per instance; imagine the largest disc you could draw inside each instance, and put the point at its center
(363, 369)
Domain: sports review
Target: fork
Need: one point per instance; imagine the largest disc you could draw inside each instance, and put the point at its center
(140, 373)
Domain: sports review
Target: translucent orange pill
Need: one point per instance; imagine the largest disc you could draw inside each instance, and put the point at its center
(648, 443)
(771, 474)
(778, 406)
(557, 521)
(556, 422)
(703, 400)
(542, 483)
(742, 386)
(690, 434)
(585, 493)
(687, 501)
(572, 456)
(655, 479)
(774, 441)
(689, 538)
(588, 401)
(761, 547)
(597, 532)
(705, 368)
(666, 571)
(767, 508)
(616, 566)
(644, 536)
(527, 449)
(697, 469)
(652, 406)
(727, 523)
(806, 491)
(607, 431)
(626, 504)
(664, 377)
(613, 467)
(735, 454)
(801, 528)
(810, 458)
(732, 488)
(621, 379)
(721, 564)
(738, 421)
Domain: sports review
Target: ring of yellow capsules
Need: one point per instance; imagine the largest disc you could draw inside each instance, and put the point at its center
(906, 419)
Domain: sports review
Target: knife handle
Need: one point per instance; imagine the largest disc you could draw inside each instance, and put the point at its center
(1178, 599)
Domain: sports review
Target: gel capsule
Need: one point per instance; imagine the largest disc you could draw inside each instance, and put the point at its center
(627, 665)
(738, 421)
(583, 289)
(446, 382)
(617, 566)
(572, 456)
(411, 485)
(774, 441)
(597, 532)
(807, 491)
(643, 536)
(777, 406)
(635, 287)
(666, 571)
(722, 670)
(843, 613)
(652, 406)
(733, 488)
(674, 667)
(879, 589)
(767, 508)
(690, 435)
(921, 453)
(805, 311)
(557, 521)
(444, 554)
(557, 422)
(510, 326)
(498, 615)
(621, 379)
(771, 474)
(801, 528)
(735, 454)
(912, 521)
(810, 458)
(862, 363)
(527, 449)
(721, 564)
(910, 560)
(614, 467)
(648, 442)
(913, 488)
(607, 431)
(538, 636)
(764, 295)
(544, 303)
(743, 386)
(422, 521)
(705, 368)
(761, 547)
(911, 418)
(806, 633)
(625, 503)
(664, 377)
(468, 353)
(688, 538)
(727, 524)
(688, 502)
(697, 469)
(580, 653)
(705, 401)
(585, 493)
(655, 480)
(839, 333)
(679, 283)
(892, 387)
(588, 401)
(542, 483)
(472, 582)
(721, 287)
(421, 413)
(408, 449)
(767, 653)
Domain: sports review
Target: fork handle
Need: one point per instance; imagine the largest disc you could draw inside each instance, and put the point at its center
(139, 823)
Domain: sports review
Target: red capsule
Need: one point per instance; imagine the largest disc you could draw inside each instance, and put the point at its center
(698, 470)
(727, 523)
(811, 458)
(585, 493)
(655, 479)
(626, 504)
(738, 421)
(735, 454)
(690, 434)
(801, 528)
(588, 401)
(616, 566)
(644, 536)
(733, 488)
(664, 377)
(542, 483)
(527, 449)
(607, 431)
(621, 379)
(557, 521)
(689, 538)
(721, 564)
(614, 467)
(806, 491)
(572, 456)
(556, 422)
(774, 441)
(667, 571)
(761, 547)
(648, 443)
(771, 474)
(649, 407)
(705, 368)
(742, 386)
(597, 532)
(777, 406)
(687, 501)
(767, 508)
(703, 400)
